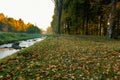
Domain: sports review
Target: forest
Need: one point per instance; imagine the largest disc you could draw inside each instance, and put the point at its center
(8, 24)
(87, 17)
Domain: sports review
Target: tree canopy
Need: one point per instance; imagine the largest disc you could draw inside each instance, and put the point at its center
(8, 24)
(87, 17)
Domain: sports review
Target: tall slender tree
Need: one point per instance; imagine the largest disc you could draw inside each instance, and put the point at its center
(112, 20)
(87, 14)
(58, 4)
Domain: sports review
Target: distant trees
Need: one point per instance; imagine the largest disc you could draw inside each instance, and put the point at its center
(12, 25)
(89, 17)
(49, 30)
(33, 29)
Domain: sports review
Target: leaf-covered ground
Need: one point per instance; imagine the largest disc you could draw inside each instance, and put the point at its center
(65, 58)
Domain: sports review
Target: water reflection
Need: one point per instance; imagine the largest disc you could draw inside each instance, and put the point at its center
(6, 45)
(6, 52)
(6, 49)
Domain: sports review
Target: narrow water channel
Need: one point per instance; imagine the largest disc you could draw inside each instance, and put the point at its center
(6, 49)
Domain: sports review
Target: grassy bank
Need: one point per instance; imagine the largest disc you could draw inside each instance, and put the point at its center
(11, 37)
(65, 58)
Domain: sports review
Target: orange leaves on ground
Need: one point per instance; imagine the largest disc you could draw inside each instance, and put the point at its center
(66, 57)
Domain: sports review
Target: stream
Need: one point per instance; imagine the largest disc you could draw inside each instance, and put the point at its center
(6, 49)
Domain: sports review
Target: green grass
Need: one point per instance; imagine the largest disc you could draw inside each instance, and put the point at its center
(6, 37)
(65, 58)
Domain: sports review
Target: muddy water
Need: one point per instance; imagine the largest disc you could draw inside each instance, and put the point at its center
(6, 49)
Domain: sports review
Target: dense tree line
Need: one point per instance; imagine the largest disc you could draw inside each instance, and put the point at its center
(87, 17)
(12, 25)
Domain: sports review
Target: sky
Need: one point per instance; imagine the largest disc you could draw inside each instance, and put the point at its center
(37, 12)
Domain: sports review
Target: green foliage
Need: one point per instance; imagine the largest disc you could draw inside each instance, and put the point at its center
(6, 37)
(86, 17)
(33, 29)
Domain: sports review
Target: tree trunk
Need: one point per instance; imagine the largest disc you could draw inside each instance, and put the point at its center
(100, 25)
(83, 26)
(87, 15)
(59, 13)
(87, 24)
(112, 20)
